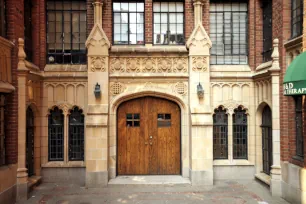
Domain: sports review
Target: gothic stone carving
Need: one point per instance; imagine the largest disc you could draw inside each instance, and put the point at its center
(98, 64)
(117, 88)
(117, 64)
(133, 65)
(199, 64)
(180, 88)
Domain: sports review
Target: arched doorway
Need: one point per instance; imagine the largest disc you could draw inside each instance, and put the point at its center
(30, 142)
(148, 131)
(266, 127)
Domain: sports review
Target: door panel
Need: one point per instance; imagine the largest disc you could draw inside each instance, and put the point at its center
(267, 140)
(153, 147)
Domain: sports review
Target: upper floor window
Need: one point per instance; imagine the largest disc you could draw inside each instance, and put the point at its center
(296, 18)
(2, 19)
(2, 131)
(240, 134)
(28, 28)
(299, 126)
(220, 134)
(168, 23)
(128, 23)
(228, 33)
(267, 30)
(66, 32)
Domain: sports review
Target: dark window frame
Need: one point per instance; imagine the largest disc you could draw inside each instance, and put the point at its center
(28, 48)
(3, 18)
(241, 55)
(297, 20)
(133, 121)
(56, 135)
(71, 55)
(220, 133)
(128, 23)
(299, 136)
(168, 19)
(240, 134)
(2, 130)
(267, 30)
(76, 136)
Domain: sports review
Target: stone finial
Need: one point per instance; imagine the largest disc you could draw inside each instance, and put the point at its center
(98, 12)
(275, 56)
(197, 12)
(21, 55)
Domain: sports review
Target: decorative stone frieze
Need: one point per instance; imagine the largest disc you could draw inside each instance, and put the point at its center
(117, 88)
(230, 84)
(180, 88)
(231, 105)
(199, 64)
(98, 64)
(149, 64)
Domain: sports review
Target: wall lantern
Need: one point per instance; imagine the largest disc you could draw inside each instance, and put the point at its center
(97, 91)
(200, 90)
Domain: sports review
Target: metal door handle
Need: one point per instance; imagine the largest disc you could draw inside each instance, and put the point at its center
(150, 143)
(146, 143)
(151, 137)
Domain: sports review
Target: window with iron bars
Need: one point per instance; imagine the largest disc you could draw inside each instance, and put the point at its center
(2, 19)
(267, 30)
(56, 135)
(128, 21)
(66, 32)
(168, 23)
(76, 135)
(299, 126)
(240, 134)
(229, 32)
(220, 134)
(2, 130)
(296, 18)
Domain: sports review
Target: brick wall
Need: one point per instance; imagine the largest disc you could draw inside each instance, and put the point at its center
(15, 30)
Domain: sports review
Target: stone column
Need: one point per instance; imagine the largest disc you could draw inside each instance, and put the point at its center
(275, 186)
(22, 171)
(201, 171)
(96, 139)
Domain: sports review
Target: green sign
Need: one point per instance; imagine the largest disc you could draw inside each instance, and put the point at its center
(295, 88)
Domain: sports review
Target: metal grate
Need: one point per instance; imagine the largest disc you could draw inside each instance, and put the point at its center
(228, 32)
(76, 135)
(128, 20)
(30, 142)
(220, 134)
(296, 18)
(2, 130)
(266, 128)
(56, 135)
(66, 32)
(168, 23)
(299, 126)
(267, 30)
(240, 134)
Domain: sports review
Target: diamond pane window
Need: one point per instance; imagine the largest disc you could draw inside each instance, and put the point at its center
(220, 134)
(76, 135)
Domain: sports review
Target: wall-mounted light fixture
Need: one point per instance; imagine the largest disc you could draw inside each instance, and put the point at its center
(97, 91)
(200, 90)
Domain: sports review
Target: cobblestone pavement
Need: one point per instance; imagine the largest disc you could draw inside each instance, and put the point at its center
(228, 192)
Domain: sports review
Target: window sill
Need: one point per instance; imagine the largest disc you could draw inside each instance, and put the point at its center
(230, 68)
(66, 67)
(298, 158)
(293, 42)
(149, 48)
(235, 162)
(60, 164)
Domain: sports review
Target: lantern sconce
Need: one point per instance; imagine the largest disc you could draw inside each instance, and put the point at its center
(200, 90)
(97, 91)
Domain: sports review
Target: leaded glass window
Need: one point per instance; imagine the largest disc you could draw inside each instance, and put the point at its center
(2, 130)
(2, 19)
(128, 21)
(240, 134)
(229, 33)
(267, 30)
(28, 29)
(168, 18)
(56, 135)
(296, 18)
(66, 32)
(220, 134)
(299, 126)
(76, 135)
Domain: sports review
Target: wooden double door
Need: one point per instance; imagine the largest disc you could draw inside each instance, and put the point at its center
(149, 137)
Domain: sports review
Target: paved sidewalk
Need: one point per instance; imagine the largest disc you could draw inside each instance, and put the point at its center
(228, 192)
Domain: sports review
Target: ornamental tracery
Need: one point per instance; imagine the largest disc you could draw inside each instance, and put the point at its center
(164, 64)
(116, 64)
(98, 64)
(199, 64)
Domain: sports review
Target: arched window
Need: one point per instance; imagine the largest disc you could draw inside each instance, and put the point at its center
(56, 135)
(76, 135)
(240, 134)
(220, 134)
